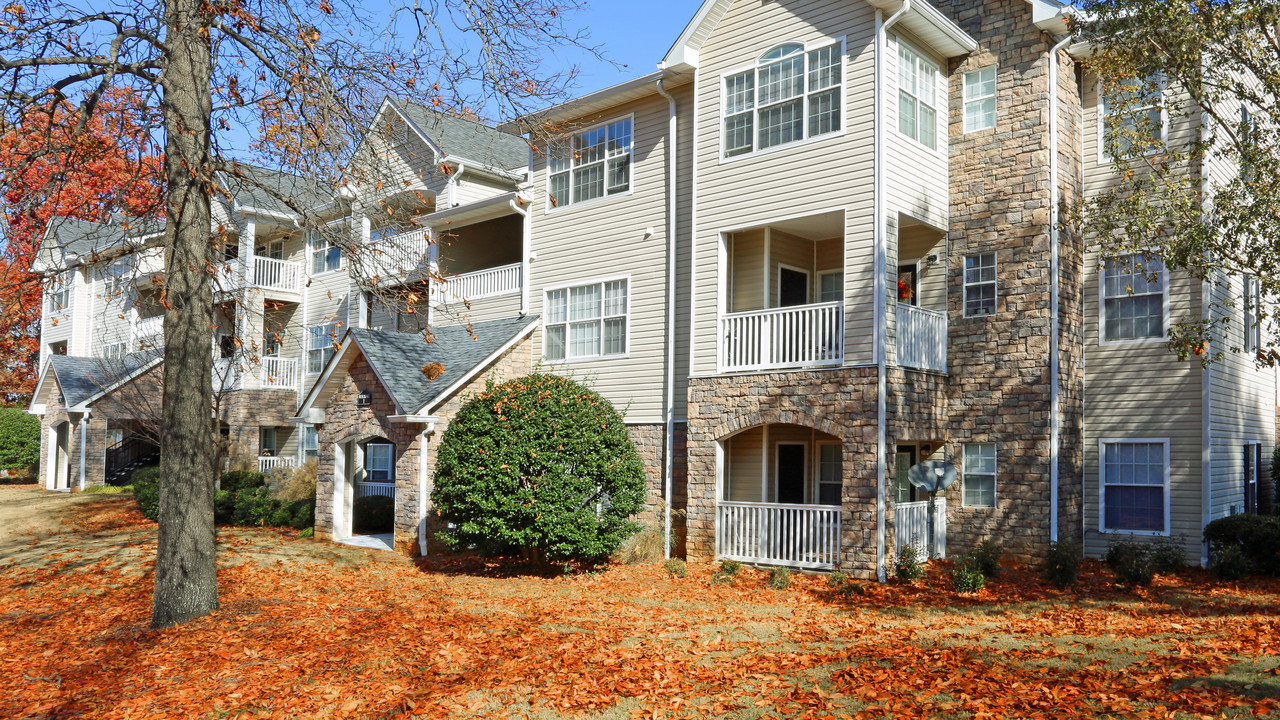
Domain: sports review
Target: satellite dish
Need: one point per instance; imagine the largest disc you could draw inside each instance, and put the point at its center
(932, 475)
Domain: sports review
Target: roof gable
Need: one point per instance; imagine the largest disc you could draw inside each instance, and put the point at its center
(83, 380)
(464, 139)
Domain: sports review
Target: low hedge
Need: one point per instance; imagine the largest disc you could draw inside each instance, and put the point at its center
(1249, 542)
(251, 507)
(19, 439)
(234, 480)
(373, 513)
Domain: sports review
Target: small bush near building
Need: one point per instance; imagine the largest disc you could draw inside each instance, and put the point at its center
(146, 492)
(373, 514)
(1062, 563)
(297, 483)
(109, 490)
(967, 575)
(844, 584)
(779, 578)
(1131, 561)
(19, 439)
(541, 464)
(1229, 563)
(1254, 538)
(986, 558)
(675, 567)
(906, 566)
(235, 480)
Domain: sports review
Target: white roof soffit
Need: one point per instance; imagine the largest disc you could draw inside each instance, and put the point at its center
(1050, 16)
(932, 27)
(478, 211)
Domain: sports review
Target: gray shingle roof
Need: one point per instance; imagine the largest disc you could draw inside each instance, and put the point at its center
(80, 378)
(67, 236)
(262, 188)
(468, 139)
(398, 358)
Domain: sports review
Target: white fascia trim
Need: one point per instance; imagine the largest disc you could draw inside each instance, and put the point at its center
(45, 372)
(395, 105)
(680, 52)
(423, 419)
(943, 24)
(1051, 17)
(566, 109)
(497, 201)
(478, 368)
(482, 167)
(314, 394)
(36, 409)
(262, 212)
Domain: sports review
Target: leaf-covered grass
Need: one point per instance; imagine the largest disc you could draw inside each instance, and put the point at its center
(310, 629)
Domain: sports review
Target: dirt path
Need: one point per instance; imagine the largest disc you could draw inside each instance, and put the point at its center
(30, 515)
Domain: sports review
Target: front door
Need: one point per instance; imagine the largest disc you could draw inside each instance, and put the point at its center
(791, 466)
(793, 287)
(903, 459)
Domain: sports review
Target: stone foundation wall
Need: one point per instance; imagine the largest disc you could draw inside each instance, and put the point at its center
(649, 441)
(245, 411)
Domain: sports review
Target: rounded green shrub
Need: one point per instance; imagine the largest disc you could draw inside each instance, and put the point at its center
(1131, 561)
(19, 439)
(235, 480)
(676, 568)
(372, 514)
(987, 558)
(967, 575)
(146, 492)
(906, 566)
(542, 465)
(779, 578)
(1257, 537)
(1062, 563)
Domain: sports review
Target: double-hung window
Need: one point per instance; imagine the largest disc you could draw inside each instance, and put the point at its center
(320, 340)
(917, 97)
(325, 256)
(115, 278)
(830, 478)
(792, 94)
(980, 99)
(379, 462)
(1133, 297)
(60, 293)
(112, 351)
(979, 489)
(586, 321)
(831, 286)
(980, 284)
(1252, 317)
(595, 163)
(1132, 115)
(310, 442)
(1135, 485)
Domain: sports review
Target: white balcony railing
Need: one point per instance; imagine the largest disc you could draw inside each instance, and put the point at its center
(226, 374)
(149, 327)
(365, 489)
(489, 282)
(272, 274)
(922, 338)
(280, 372)
(400, 255)
(911, 527)
(804, 536)
(268, 463)
(799, 336)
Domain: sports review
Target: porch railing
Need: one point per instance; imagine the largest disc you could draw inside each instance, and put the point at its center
(280, 372)
(800, 336)
(922, 338)
(401, 255)
(366, 489)
(911, 527)
(803, 536)
(149, 327)
(489, 282)
(275, 274)
(268, 463)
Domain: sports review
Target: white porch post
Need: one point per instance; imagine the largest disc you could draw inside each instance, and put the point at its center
(339, 491)
(423, 481)
(51, 467)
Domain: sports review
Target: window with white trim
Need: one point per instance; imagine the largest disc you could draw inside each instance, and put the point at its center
(1133, 108)
(267, 442)
(379, 462)
(1133, 297)
(320, 340)
(586, 321)
(59, 291)
(115, 278)
(831, 286)
(980, 284)
(791, 95)
(113, 351)
(1252, 466)
(325, 256)
(980, 99)
(830, 479)
(979, 478)
(917, 97)
(1134, 485)
(310, 442)
(1252, 317)
(592, 164)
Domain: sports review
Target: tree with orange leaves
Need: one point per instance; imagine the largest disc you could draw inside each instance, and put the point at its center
(109, 166)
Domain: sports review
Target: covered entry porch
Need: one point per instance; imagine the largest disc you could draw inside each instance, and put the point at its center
(779, 495)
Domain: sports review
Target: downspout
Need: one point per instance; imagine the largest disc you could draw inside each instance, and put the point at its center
(1206, 374)
(423, 478)
(84, 438)
(524, 253)
(882, 44)
(453, 183)
(1055, 420)
(670, 399)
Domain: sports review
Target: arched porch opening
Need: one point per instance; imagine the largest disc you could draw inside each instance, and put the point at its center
(365, 497)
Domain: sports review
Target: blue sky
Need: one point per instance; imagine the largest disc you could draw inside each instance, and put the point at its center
(636, 34)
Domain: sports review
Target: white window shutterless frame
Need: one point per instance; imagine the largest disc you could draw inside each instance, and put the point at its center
(1133, 299)
(1151, 111)
(980, 99)
(588, 321)
(917, 96)
(379, 458)
(590, 165)
(1133, 486)
(792, 94)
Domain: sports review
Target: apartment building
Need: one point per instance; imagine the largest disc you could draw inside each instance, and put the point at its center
(819, 245)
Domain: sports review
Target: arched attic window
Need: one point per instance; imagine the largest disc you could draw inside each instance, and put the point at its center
(790, 95)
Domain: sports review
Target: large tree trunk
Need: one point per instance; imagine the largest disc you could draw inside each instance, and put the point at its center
(186, 568)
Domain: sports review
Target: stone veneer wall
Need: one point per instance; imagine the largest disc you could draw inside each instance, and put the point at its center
(649, 441)
(55, 413)
(999, 364)
(245, 411)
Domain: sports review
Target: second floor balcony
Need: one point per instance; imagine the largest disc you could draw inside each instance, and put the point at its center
(276, 275)
(479, 284)
(790, 337)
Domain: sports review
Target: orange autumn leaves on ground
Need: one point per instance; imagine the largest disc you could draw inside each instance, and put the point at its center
(308, 629)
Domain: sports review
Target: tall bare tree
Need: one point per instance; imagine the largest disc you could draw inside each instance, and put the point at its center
(305, 78)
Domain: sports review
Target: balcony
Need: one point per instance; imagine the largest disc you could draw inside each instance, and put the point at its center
(490, 282)
(922, 338)
(803, 536)
(269, 463)
(277, 275)
(400, 256)
(150, 329)
(800, 336)
(280, 373)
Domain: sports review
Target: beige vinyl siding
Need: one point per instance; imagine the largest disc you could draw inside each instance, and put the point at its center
(746, 468)
(834, 173)
(915, 245)
(746, 277)
(607, 238)
(916, 180)
(490, 308)
(111, 315)
(474, 188)
(56, 327)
